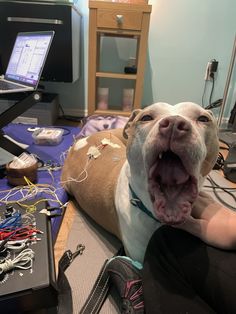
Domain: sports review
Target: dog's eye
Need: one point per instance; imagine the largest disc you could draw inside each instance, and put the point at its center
(147, 117)
(203, 119)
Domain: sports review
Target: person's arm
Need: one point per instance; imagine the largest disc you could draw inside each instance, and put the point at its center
(212, 222)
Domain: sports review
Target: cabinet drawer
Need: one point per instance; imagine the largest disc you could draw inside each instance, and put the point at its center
(119, 19)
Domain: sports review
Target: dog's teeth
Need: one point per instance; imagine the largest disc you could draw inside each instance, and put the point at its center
(160, 156)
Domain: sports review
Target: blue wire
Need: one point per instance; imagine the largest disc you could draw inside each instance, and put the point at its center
(12, 222)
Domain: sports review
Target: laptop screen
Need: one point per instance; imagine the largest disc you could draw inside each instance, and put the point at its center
(28, 57)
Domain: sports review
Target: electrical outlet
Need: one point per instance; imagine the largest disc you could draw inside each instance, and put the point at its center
(208, 72)
(211, 68)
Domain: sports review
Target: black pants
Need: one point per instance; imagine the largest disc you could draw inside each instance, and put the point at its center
(181, 274)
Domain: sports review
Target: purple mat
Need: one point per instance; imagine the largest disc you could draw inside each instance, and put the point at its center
(48, 154)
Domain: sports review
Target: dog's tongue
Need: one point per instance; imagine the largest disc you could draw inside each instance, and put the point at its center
(171, 170)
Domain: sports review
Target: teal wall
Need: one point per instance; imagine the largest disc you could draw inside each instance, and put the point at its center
(184, 35)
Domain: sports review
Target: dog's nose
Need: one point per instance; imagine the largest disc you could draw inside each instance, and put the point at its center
(174, 126)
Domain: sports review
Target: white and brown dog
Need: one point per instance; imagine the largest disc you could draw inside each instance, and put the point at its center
(152, 177)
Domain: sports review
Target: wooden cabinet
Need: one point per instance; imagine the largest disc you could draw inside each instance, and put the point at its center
(119, 19)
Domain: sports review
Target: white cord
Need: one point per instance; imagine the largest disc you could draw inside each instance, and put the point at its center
(22, 193)
(28, 219)
(82, 176)
(70, 179)
(17, 245)
(24, 260)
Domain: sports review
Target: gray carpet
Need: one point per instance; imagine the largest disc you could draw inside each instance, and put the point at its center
(82, 273)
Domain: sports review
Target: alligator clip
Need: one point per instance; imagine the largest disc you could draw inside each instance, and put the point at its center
(51, 212)
(79, 251)
(68, 257)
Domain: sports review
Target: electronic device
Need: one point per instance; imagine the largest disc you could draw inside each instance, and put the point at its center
(8, 145)
(5, 157)
(26, 62)
(63, 17)
(228, 135)
(232, 118)
(35, 289)
(229, 168)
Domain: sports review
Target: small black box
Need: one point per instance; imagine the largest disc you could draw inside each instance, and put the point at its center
(35, 289)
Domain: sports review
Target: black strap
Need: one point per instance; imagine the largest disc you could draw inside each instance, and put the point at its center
(100, 289)
(65, 304)
(98, 293)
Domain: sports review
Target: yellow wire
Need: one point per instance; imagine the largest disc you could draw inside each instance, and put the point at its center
(32, 208)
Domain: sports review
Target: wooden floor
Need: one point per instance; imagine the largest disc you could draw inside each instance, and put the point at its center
(68, 218)
(63, 234)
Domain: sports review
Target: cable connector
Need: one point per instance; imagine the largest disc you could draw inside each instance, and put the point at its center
(214, 66)
(211, 68)
(215, 104)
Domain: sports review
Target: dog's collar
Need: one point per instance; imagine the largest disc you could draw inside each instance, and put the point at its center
(138, 203)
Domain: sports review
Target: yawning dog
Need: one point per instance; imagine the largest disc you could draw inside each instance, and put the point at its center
(149, 174)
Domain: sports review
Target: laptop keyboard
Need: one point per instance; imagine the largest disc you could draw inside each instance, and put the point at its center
(6, 85)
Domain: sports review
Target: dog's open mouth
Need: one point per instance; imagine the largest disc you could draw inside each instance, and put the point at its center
(172, 188)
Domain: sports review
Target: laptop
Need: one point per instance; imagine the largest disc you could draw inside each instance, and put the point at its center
(26, 62)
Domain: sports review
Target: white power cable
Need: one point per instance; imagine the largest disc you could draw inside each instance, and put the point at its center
(24, 260)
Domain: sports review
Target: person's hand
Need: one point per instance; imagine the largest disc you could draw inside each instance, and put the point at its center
(211, 222)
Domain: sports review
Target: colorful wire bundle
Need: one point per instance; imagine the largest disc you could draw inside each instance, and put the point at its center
(19, 234)
(11, 223)
(21, 194)
(18, 227)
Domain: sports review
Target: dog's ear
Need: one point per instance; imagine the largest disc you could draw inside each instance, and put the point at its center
(134, 113)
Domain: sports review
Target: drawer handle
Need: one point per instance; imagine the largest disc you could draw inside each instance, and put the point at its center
(119, 19)
(33, 20)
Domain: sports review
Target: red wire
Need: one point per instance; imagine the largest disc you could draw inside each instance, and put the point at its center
(19, 233)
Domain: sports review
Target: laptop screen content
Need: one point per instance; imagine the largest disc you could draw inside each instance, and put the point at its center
(28, 58)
